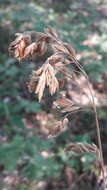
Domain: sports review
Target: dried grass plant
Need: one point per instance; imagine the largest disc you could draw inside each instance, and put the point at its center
(48, 75)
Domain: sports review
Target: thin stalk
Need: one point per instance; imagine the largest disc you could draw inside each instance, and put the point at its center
(94, 108)
(96, 118)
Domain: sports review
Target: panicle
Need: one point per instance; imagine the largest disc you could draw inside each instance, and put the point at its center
(23, 47)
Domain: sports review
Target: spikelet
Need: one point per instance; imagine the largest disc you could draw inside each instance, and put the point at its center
(56, 57)
(70, 49)
(51, 32)
(58, 128)
(18, 46)
(82, 148)
(63, 102)
(40, 86)
(42, 48)
(60, 48)
(43, 37)
(30, 50)
(66, 105)
(45, 76)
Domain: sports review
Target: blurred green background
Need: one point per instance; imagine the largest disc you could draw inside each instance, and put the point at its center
(28, 160)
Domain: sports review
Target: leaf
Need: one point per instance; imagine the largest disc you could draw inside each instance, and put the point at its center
(33, 107)
(11, 152)
(29, 106)
(12, 71)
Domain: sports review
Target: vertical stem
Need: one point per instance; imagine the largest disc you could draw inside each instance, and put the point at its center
(96, 118)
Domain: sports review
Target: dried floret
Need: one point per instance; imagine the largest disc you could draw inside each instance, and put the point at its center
(18, 46)
(66, 105)
(51, 32)
(59, 47)
(42, 47)
(43, 37)
(45, 77)
(70, 49)
(58, 128)
(30, 50)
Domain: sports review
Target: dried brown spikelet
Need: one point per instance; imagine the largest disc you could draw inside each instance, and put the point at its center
(42, 48)
(30, 50)
(57, 57)
(46, 76)
(63, 102)
(70, 49)
(82, 148)
(59, 47)
(43, 37)
(66, 105)
(70, 109)
(54, 85)
(18, 46)
(58, 128)
(51, 32)
(52, 81)
(40, 86)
